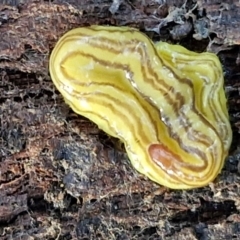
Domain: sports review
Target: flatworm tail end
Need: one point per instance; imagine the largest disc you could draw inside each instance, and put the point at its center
(174, 172)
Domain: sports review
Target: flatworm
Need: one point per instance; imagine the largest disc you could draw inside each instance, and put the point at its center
(164, 102)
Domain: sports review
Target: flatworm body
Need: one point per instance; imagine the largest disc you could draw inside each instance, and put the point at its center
(167, 104)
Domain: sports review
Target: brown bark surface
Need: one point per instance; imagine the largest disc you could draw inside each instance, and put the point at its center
(60, 176)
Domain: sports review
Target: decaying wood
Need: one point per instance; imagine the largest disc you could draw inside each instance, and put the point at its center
(60, 176)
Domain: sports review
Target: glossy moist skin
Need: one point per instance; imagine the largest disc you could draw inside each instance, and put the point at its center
(167, 104)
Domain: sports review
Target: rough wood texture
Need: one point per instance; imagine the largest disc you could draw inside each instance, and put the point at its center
(61, 177)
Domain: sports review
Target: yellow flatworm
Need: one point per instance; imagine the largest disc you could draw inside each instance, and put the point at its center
(166, 104)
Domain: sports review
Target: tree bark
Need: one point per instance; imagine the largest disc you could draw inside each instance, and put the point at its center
(63, 178)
